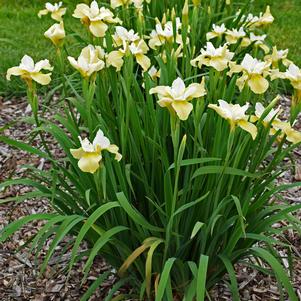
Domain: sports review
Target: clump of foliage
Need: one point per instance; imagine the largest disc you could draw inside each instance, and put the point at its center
(172, 141)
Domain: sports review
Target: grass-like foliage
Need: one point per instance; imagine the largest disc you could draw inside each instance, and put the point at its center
(172, 178)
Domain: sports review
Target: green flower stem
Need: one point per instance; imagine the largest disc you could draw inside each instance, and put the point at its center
(34, 104)
(88, 93)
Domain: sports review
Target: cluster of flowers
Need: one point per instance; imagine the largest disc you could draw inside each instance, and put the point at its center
(253, 73)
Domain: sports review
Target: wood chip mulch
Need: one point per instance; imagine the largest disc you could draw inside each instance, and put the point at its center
(19, 272)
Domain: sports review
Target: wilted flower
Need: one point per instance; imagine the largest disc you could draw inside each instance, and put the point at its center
(56, 10)
(217, 31)
(233, 35)
(165, 33)
(29, 71)
(95, 18)
(56, 33)
(235, 115)
(218, 58)
(138, 49)
(254, 73)
(176, 98)
(89, 61)
(90, 154)
(276, 56)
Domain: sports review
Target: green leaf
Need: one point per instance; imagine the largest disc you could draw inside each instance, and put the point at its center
(197, 227)
(232, 276)
(16, 225)
(135, 215)
(202, 276)
(101, 242)
(94, 286)
(164, 278)
(277, 269)
(205, 170)
(87, 226)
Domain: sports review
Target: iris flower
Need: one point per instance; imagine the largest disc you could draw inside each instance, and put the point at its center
(253, 74)
(164, 33)
(217, 31)
(90, 154)
(176, 98)
(89, 61)
(56, 33)
(233, 35)
(271, 117)
(97, 19)
(292, 135)
(277, 56)
(235, 115)
(56, 10)
(29, 71)
(218, 58)
(138, 49)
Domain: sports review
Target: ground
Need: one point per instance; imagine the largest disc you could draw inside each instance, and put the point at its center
(18, 272)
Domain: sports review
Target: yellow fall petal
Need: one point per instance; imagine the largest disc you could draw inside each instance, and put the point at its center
(143, 61)
(77, 153)
(98, 28)
(14, 71)
(182, 108)
(293, 136)
(42, 12)
(114, 150)
(115, 58)
(89, 162)
(249, 127)
(43, 79)
(258, 84)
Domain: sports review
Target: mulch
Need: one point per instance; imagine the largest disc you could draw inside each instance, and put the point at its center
(19, 272)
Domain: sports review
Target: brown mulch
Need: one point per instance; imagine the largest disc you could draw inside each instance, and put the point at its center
(19, 272)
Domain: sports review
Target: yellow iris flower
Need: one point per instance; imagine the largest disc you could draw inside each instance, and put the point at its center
(253, 74)
(277, 56)
(56, 10)
(258, 41)
(217, 31)
(233, 35)
(97, 19)
(270, 118)
(56, 33)
(122, 35)
(235, 115)
(90, 154)
(138, 49)
(29, 71)
(218, 58)
(293, 74)
(164, 33)
(291, 134)
(176, 98)
(89, 61)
